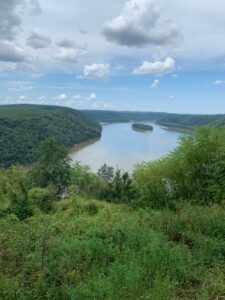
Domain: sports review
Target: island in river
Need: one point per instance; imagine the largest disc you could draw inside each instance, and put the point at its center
(142, 127)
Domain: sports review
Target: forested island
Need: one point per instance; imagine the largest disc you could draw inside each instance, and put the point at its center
(67, 233)
(142, 127)
(24, 127)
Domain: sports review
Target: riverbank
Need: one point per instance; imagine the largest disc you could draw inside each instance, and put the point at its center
(82, 145)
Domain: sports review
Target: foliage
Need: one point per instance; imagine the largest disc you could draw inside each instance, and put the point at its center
(191, 121)
(24, 127)
(52, 168)
(169, 246)
(142, 127)
(118, 186)
(42, 198)
(107, 116)
(194, 171)
(96, 250)
(84, 182)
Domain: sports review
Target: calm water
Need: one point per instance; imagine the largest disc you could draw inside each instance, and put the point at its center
(120, 146)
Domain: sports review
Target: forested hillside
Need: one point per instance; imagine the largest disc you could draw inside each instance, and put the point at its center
(122, 116)
(156, 235)
(165, 119)
(23, 127)
(191, 121)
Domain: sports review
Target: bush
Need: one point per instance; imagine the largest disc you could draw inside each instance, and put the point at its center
(194, 171)
(42, 198)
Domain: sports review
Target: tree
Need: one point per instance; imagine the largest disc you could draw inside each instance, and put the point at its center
(53, 167)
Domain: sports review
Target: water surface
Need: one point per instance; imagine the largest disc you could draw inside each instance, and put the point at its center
(122, 147)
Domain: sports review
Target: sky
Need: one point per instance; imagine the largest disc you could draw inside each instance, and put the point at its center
(138, 55)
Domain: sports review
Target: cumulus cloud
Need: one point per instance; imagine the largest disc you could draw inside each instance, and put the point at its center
(156, 68)
(69, 54)
(10, 52)
(21, 98)
(92, 96)
(69, 51)
(140, 24)
(38, 41)
(155, 84)
(60, 97)
(98, 72)
(218, 82)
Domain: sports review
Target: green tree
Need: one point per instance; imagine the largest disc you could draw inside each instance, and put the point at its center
(53, 167)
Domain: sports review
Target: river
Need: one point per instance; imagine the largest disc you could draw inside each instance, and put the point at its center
(122, 147)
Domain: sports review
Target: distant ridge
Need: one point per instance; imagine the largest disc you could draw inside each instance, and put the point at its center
(180, 121)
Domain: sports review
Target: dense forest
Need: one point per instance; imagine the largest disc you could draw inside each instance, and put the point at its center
(191, 121)
(178, 121)
(24, 127)
(67, 233)
(105, 116)
(142, 127)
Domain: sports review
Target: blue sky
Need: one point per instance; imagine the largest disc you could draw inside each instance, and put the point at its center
(146, 55)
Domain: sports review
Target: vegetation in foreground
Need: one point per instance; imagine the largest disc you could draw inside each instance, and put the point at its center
(159, 234)
(142, 127)
(24, 127)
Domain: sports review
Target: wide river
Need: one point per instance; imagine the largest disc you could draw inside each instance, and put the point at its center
(122, 147)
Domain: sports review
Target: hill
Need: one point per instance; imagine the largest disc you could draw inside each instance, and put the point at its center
(191, 121)
(24, 127)
(180, 121)
(105, 116)
(156, 235)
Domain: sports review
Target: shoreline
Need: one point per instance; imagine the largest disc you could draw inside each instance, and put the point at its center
(82, 145)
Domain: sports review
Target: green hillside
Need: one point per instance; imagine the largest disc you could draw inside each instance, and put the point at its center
(179, 121)
(107, 116)
(191, 121)
(156, 235)
(23, 127)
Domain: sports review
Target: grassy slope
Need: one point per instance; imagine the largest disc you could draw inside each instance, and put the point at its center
(96, 250)
(23, 127)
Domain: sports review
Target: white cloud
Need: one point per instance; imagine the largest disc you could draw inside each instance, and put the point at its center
(140, 24)
(155, 84)
(218, 82)
(98, 72)
(10, 52)
(156, 68)
(171, 97)
(21, 98)
(69, 51)
(69, 54)
(38, 41)
(60, 97)
(77, 97)
(92, 96)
